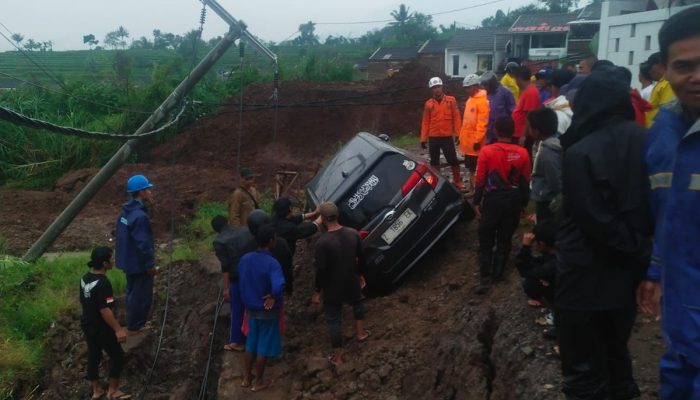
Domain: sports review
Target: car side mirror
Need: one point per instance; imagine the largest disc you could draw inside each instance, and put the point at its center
(384, 137)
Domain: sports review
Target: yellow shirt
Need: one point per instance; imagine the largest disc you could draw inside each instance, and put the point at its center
(662, 94)
(511, 85)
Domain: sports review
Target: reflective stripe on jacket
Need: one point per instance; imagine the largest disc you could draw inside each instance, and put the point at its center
(475, 122)
(440, 118)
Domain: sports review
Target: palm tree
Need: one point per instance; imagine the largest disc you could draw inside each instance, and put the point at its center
(402, 15)
(122, 33)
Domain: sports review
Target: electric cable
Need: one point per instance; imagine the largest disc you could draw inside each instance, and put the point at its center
(20, 119)
(241, 52)
(66, 90)
(212, 336)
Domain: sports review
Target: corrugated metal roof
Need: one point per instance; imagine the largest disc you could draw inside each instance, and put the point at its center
(477, 39)
(394, 53)
(542, 23)
(433, 46)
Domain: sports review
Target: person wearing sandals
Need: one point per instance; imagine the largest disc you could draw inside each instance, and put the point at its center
(339, 263)
(261, 284)
(100, 326)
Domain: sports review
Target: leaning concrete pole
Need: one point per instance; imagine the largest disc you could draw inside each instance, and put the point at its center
(122, 155)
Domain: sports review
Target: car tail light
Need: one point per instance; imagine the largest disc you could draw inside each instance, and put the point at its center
(363, 233)
(422, 172)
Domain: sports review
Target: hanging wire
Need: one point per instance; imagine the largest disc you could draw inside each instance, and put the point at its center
(241, 52)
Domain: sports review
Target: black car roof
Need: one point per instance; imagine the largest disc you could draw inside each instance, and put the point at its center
(347, 165)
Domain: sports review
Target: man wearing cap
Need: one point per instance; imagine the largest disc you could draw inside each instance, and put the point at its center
(472, 137)
(441, 123)
(541, 78)
(339, 263)
(135, 253)
(662, 92)
(243, 200)
(509, 81)
(501, 102)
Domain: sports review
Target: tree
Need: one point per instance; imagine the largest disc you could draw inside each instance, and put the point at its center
(122, 34)
(402, 15)
(117, 38)
(142, 43)
(123, 66)
(31, 44)
(503, 20)
(89, 39)
(112, 40)
(307, 36)
(17, 38)
(559, 6)
(165, 40)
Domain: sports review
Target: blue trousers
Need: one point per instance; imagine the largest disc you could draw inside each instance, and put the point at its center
(139, 297)
(680, 380)
(236, 334)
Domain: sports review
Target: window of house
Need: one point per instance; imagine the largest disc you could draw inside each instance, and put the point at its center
(455, 65)
(617, 44)
(633, 30)
(647, 43)
(630, 59)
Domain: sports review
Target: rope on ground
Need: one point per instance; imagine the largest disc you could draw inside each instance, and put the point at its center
(20, 119)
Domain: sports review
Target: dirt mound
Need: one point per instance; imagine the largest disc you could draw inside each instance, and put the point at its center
(182, 359)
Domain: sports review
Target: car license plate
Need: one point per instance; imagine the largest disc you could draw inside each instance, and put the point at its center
(399, 226)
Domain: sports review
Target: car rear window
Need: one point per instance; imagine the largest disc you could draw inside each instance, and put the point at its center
(374, 192)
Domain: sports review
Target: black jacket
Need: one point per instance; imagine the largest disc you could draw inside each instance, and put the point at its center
(604, 240)
(294, 228)
(230, 245)
(542, 267)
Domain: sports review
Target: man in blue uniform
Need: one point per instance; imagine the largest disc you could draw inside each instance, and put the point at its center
(135, 252)
(673, 159)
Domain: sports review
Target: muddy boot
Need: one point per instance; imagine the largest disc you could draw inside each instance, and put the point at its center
(499, 265)
(457, 177)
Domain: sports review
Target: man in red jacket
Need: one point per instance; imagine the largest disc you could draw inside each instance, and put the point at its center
(441, 124)
(529, 101)
(502, 192)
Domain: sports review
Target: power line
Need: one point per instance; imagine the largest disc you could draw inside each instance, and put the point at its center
(65, 91)
(20, 119)
(393, 20)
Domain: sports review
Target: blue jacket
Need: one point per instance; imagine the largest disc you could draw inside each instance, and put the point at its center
(134, 250)
(260, 274)
(673, 158)
(501, 104)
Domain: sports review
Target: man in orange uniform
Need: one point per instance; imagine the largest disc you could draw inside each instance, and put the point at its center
(441, 124)
(502, 192)
(472, 137)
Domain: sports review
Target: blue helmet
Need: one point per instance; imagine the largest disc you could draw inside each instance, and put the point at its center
(137, 183)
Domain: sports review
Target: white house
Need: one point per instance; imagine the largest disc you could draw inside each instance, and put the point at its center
(629, 33)
(475, 51)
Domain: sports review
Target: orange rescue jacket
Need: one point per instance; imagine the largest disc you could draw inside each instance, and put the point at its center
(440, 118)
(475, 123)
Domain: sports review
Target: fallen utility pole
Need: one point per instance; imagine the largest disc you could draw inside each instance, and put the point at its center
(122, 155)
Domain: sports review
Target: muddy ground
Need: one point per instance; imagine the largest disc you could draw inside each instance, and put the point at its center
(432, 337)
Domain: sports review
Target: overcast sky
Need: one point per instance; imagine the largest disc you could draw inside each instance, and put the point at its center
(66, 21)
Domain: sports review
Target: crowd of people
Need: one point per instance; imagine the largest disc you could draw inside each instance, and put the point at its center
(614, 179)
(614, 175)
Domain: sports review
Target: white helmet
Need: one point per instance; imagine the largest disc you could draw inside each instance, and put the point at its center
(436, 81)
(471, 80)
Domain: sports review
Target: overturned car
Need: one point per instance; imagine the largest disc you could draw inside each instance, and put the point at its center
(400, 205)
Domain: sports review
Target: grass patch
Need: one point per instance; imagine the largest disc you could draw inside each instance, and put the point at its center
(33, 296)
(405, 141)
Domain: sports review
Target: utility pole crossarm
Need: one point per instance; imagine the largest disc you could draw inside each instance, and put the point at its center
(234, 23)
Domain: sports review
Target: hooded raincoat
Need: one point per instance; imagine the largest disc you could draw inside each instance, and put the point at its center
(604, 240)
(134, 240)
